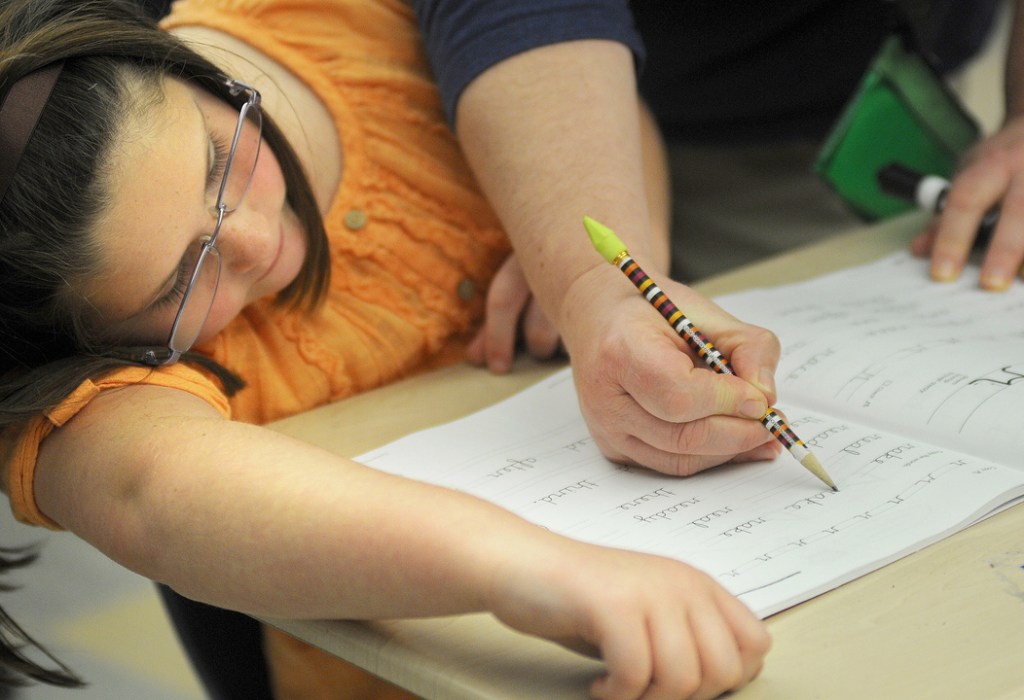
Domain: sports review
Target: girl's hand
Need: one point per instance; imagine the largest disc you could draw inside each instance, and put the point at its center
(992, 175)
(664, 630)
(512, 315)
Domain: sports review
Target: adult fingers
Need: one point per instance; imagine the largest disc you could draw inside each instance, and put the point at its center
(507, 297)
(683, 393)
(540, 336)
(679, 449)
(753, 352)
(975, 190)
(1005, 252)
(921, 245)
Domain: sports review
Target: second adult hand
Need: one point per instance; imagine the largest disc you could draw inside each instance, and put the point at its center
(614, 251)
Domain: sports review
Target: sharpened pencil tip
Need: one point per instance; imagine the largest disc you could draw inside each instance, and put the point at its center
(812, 465)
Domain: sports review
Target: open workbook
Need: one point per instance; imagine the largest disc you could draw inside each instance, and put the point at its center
(911, 393)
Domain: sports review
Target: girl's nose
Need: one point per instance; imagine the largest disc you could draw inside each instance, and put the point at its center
(241, 248)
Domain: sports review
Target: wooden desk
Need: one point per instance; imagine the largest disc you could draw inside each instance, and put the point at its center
(946, 622)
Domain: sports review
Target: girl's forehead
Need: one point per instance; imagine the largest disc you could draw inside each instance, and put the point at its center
(156, 112)
(160, 151)
(156, 199)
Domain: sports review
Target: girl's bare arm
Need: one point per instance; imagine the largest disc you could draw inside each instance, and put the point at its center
(244, 518)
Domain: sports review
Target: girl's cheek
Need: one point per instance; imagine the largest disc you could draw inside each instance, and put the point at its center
(224, 310)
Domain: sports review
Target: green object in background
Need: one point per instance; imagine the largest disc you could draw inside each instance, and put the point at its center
(902, 112)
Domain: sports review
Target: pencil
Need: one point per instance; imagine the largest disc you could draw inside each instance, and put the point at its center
(614, 251)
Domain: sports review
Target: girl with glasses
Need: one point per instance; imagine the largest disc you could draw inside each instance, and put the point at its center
(256, 209)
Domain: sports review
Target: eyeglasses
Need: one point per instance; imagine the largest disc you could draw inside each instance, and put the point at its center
(204, 258)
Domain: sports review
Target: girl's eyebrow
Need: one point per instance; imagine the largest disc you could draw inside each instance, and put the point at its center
(168, 282)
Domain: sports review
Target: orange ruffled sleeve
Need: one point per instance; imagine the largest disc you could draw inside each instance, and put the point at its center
(25, 449)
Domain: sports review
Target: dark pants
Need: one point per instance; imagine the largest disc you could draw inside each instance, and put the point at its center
(224, 647)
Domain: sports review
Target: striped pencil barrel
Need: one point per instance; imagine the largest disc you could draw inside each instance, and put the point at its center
(614, 251)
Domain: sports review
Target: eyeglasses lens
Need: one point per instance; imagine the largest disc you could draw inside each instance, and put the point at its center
(242, 160)
(241, 165)
(195, 307)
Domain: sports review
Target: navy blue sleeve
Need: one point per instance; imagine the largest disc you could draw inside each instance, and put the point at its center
(463, 38)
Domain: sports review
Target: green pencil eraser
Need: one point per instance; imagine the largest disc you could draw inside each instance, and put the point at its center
(604, 239)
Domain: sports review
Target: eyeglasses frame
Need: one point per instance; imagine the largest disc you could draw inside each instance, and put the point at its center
(152, 356)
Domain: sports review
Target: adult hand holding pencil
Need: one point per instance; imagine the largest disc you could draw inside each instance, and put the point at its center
(615, 252)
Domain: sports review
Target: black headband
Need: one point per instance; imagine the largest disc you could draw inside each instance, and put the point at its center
(19, 114)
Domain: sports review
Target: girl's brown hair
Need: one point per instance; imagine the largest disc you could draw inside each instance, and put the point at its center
(16, 662)
(114, 61)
